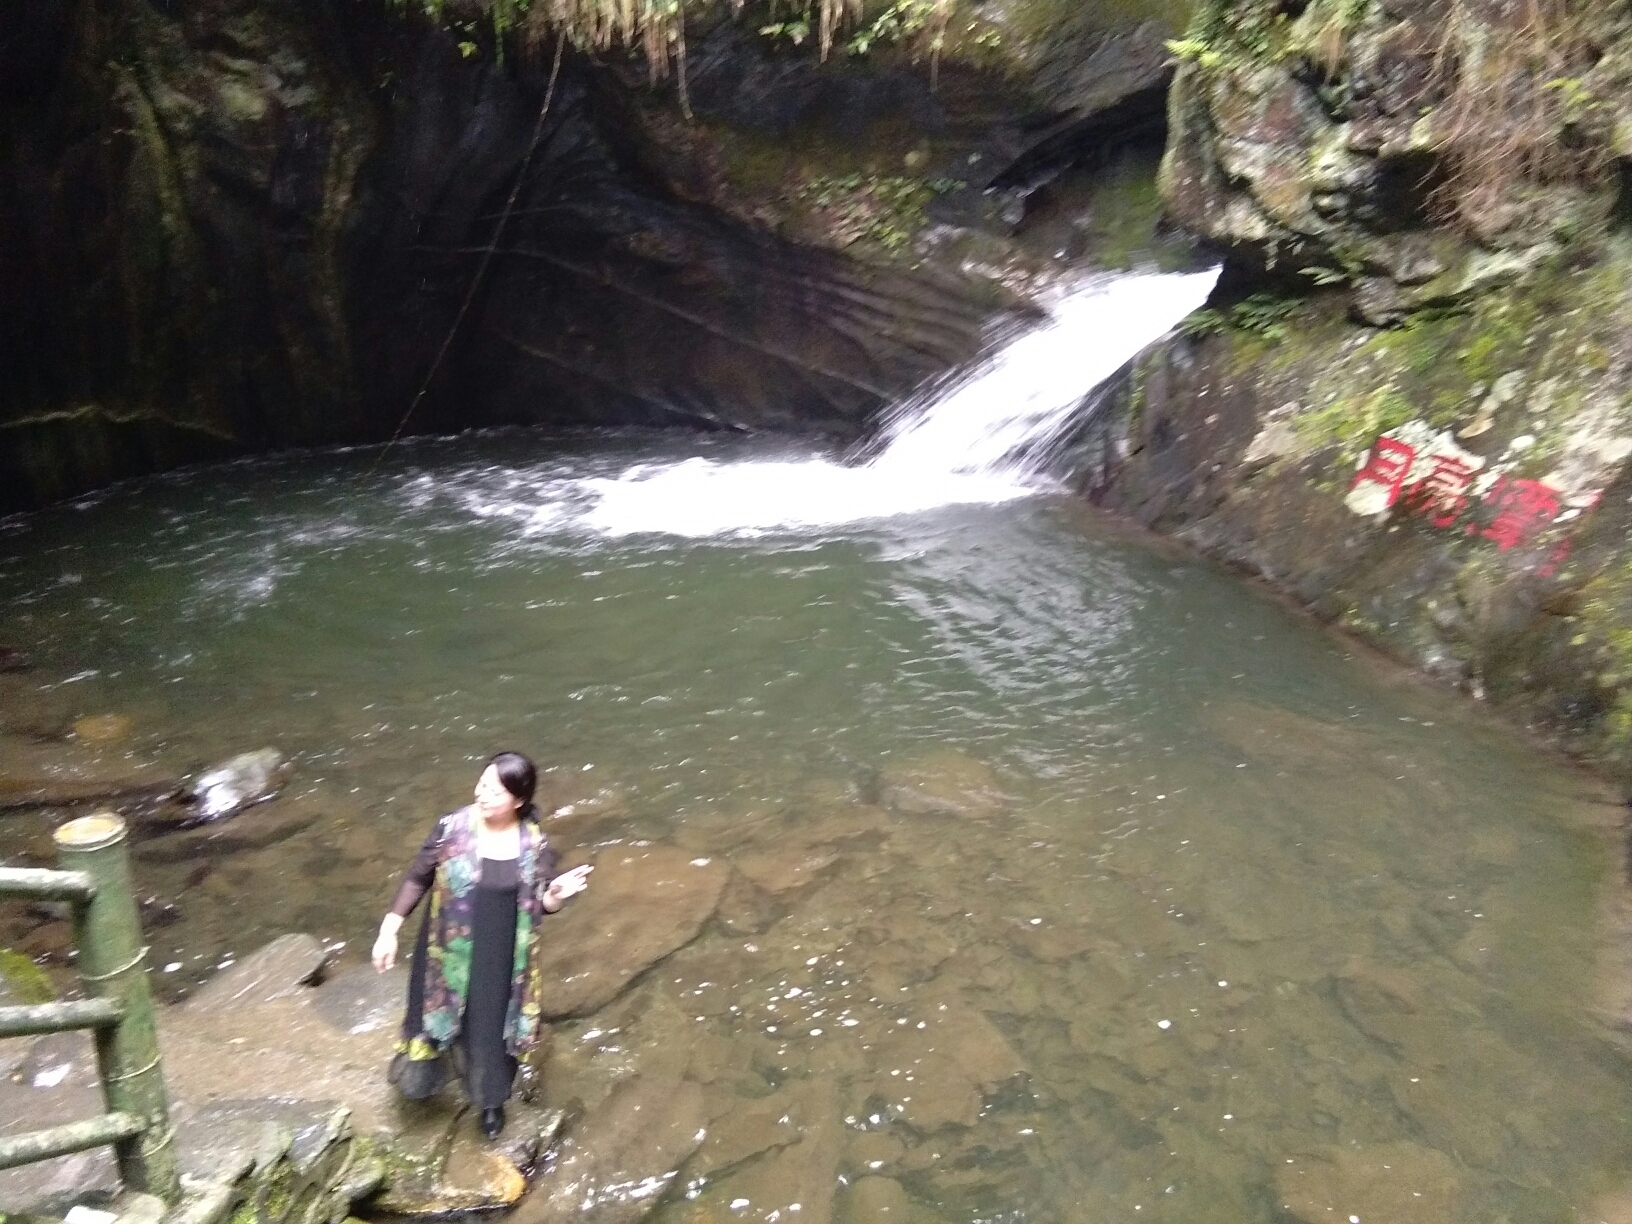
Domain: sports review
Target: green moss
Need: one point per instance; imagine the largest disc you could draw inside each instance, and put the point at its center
(1123, 209)
(1603, 633)
(1035, 21)
(24, 980)
(754, 165)
(1353, 422)
(884, 211)
(1138, 388)
(1498, 341)
(1421, 345)
(1228, 36)
(279, 1194)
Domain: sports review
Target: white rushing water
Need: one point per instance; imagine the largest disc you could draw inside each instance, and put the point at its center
(977, 439)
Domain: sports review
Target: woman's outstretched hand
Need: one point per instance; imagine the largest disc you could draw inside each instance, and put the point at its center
(385, 946)
(567, 884)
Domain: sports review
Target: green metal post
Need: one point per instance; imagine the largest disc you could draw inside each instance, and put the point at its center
(113, 966)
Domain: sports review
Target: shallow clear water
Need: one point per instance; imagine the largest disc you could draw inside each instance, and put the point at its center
(1245, 909)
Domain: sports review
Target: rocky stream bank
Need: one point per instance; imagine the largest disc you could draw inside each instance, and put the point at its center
(1411, 405)
(276, 1066)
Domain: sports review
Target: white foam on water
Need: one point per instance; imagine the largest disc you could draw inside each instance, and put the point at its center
(702, 497)
(978, 439)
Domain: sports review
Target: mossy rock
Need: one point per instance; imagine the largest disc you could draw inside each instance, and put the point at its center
(22, 981)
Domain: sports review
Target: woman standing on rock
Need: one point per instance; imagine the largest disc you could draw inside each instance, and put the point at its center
(474, 982)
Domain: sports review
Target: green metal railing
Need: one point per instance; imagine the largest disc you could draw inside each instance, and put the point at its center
(118, 1009)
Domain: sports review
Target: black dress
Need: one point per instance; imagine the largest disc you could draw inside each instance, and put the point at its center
(489, 1070)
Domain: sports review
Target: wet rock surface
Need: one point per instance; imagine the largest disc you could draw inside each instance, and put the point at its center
(1349, 147)
(228, 788)
(282, 969)
(1495, 562)
(616, 1167)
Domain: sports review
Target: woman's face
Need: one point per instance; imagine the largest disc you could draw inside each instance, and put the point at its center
(491, 797)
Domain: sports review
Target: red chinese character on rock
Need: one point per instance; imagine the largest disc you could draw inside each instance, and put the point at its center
(1387, 465)
(1555, 559)
(1444, 489)
(1522, 508)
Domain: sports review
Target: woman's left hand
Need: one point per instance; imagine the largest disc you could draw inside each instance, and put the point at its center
(567, 884)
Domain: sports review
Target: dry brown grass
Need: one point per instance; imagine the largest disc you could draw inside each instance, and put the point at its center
(1513, 110)
(657, 28)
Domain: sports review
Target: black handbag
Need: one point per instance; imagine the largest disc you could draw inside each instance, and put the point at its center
(418, 1079)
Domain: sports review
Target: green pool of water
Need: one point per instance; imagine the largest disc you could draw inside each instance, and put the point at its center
(1236, 924)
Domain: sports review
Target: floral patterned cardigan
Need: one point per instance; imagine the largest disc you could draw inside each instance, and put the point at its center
(449, 867)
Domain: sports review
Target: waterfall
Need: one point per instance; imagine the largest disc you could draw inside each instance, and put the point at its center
(1003, 414)
(980, 437)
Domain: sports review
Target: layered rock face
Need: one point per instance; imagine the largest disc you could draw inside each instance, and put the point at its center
(1425, 150)
(1411, 405)
(235, 226)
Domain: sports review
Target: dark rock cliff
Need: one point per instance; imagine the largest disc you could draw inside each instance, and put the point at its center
(234, 225)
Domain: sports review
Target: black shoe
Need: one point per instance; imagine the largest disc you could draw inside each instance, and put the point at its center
(493, 1121)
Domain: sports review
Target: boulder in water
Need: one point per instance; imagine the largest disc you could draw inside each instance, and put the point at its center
(14, 660)
(643, 903)
(945, 783)
(244, 780)
(102, 728)
(281, 968)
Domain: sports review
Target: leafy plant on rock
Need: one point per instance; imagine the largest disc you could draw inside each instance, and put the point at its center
(1262, 314)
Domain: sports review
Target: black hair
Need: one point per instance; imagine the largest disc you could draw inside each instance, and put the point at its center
(519, 776)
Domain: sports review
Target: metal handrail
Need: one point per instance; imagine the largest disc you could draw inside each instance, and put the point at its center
(113, 971)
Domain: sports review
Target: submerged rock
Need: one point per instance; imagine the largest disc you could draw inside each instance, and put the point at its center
(1401, 1183)
(54, 774)
(946, 1069)
(942, 784)
(170, 835)
(235, 784)
(775, 1121)
(881, 1200)
(785, 869)
(102, 728)
(615, 1168)
(795, 1182)
(643, 902)
(14, 660)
